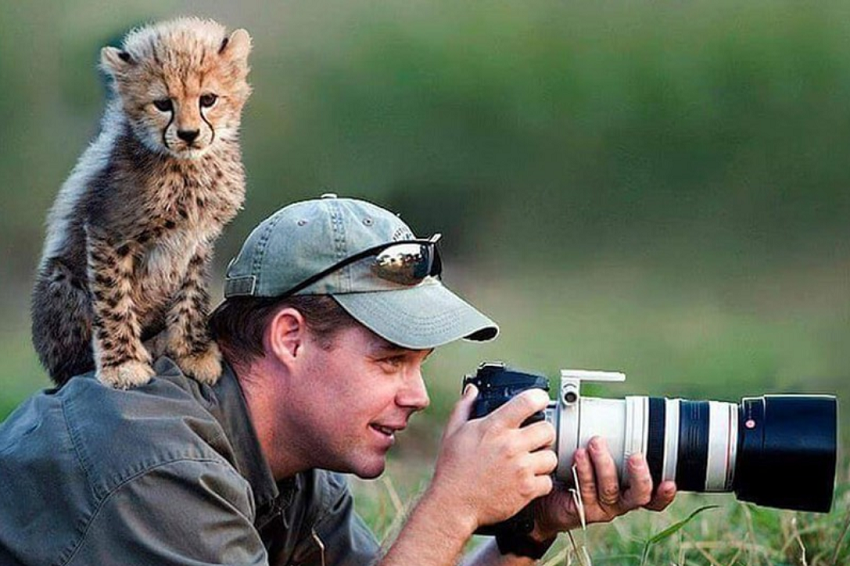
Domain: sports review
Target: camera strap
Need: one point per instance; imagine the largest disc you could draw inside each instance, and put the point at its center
(576, 493)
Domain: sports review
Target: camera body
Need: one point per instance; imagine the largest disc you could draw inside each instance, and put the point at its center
(775, 450)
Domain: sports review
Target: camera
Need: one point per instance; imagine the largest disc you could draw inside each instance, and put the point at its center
(774, 450)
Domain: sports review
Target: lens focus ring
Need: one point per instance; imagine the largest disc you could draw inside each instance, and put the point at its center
(693, 445)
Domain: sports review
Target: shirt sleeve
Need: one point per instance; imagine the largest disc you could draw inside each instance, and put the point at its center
(188, 512)
(337, 536)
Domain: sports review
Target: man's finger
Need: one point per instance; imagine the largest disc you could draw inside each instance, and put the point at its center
(663, 497)
(640, 483)
(462, 410)
(542, 486)
(543, 462)
(514, 412)
(536, 436)
(607, 483)
(586, 479)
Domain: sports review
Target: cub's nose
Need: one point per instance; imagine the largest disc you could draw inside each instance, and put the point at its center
(188, 136)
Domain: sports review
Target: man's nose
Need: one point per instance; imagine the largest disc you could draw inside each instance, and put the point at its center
(414, 394)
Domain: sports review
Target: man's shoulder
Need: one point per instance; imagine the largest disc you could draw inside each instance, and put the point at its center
(120, 434)
(64, 452)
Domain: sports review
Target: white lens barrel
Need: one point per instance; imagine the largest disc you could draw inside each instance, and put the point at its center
(577, 423)
(671, 439)
(722, 446)
(637, 430)
(693, 443)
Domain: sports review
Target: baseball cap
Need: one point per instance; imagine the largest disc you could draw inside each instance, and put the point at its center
(296, 251)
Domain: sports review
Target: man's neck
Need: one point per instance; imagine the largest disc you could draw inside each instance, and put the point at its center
(265, 403)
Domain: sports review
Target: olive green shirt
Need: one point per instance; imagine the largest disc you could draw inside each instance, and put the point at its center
(169, 473)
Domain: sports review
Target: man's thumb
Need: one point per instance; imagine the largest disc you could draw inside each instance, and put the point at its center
(462, 410)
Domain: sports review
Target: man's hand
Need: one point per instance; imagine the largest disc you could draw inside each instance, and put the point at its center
(601, 495)
(490, 468)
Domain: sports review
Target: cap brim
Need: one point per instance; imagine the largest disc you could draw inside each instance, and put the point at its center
(421, 317)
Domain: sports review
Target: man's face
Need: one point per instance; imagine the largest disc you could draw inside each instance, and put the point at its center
(353, 399)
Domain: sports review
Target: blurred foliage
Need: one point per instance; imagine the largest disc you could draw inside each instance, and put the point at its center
(656, 187)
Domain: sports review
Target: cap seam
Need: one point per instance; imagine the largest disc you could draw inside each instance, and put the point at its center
(256, 268)
(339, 239)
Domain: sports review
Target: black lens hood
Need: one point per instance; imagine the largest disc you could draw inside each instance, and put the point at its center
(787, 451)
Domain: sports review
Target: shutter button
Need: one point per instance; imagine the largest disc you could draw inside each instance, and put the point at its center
(329, 195)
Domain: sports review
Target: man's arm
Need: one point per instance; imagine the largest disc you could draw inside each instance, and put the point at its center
(187, 512)
(602, 497)
(490, 468)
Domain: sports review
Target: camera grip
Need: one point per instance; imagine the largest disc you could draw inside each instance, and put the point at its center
(498, 385)
(521, 523)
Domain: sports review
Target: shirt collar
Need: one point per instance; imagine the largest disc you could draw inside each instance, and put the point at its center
(228, 406)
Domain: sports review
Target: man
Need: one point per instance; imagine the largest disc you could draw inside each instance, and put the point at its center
(330, 309)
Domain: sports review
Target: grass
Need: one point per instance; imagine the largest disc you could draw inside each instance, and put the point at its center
(697, 529)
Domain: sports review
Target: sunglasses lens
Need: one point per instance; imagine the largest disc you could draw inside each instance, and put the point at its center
(406, 264)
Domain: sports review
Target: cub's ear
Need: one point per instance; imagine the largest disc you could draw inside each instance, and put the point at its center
(114, 61)
(236, 47)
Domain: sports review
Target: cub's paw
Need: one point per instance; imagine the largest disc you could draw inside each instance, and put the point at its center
(205, 367)
(126, 375)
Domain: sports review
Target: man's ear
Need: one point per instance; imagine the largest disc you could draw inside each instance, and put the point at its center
(285, 335)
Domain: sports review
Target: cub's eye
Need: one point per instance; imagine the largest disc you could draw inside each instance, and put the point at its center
(208, 100)
(163, 104)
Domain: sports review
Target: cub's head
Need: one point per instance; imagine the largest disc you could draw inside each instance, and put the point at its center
(182, 84)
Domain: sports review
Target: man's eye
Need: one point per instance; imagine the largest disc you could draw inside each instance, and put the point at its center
(163, 104)
(208, 100)
(393, 363)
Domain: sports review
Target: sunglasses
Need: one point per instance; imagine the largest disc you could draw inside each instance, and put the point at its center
(406, 262)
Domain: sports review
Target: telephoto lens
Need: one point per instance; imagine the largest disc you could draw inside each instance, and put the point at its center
(774, 450)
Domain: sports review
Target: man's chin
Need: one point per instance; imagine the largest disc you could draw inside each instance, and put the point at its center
(372, 471)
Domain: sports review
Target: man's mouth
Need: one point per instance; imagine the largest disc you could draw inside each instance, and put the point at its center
(386, 430)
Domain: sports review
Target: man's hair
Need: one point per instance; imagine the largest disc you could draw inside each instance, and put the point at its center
(239, 323)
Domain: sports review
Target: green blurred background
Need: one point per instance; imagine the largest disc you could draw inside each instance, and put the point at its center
(655, 187)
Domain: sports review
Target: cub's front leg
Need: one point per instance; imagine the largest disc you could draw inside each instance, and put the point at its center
(121, 360)
(188, 338)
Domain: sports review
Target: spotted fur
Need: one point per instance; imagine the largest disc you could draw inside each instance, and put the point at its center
(130, 236)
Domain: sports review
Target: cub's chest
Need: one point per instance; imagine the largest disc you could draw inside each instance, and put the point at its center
(180, 220)
(172, 250)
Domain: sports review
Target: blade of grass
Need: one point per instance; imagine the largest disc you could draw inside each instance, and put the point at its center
(558, 558)
(580, 551)
(799, 540)
(751, 531)
(398, 506)
(838, 544)
(671, 530)
(703, 547)
(735, 557)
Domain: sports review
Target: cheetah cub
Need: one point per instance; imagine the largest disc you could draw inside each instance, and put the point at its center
(129, 238)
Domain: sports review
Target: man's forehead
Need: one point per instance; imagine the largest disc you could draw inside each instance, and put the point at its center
(383, 345)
